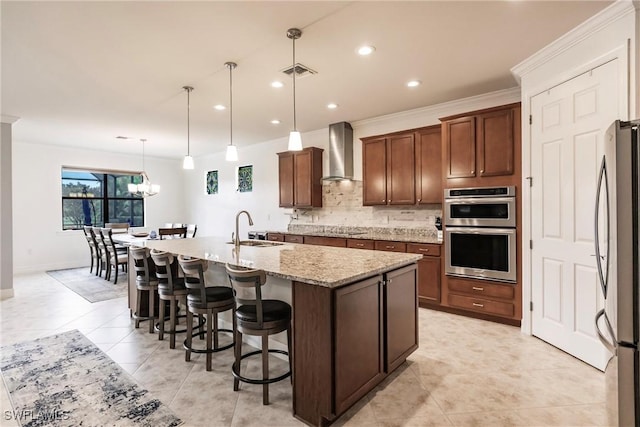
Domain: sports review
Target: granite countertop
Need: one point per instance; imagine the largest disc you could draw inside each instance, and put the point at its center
(369, 233)
(318, 265)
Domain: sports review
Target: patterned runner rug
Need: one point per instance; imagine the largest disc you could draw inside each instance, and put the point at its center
(89, 286)
(65, 380)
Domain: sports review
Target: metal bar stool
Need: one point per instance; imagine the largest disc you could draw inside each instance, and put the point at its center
(145, 281)
(257, 316)
(205, 300)
(170, 288)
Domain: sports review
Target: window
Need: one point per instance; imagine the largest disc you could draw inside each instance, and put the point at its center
(96, 197)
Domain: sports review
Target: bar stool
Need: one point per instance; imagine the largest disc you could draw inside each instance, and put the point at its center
(205, 300)
(257, 316)
(145, 281)
(170, 288)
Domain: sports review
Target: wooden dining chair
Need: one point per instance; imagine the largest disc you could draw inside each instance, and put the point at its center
(172, 233)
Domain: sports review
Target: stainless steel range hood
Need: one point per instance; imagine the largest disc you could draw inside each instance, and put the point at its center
(340, 152)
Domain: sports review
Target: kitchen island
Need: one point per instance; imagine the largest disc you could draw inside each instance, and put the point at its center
(354, 313)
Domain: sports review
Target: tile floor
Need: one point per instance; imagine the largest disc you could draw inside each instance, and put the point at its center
(467, 372)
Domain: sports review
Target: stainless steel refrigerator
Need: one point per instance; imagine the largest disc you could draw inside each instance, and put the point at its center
(617, 235)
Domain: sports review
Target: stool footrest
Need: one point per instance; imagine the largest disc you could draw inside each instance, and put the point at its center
(236, 374)
(204, 351)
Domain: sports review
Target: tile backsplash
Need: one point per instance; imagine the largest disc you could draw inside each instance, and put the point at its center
(342, 206)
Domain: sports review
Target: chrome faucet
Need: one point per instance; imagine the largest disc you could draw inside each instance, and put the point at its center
(236, 236)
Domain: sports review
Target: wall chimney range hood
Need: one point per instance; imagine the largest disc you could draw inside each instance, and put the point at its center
(340, 152)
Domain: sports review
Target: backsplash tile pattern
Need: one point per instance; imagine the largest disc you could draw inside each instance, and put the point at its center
(342, 212)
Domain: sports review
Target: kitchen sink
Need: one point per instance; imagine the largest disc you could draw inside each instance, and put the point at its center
(257, 243)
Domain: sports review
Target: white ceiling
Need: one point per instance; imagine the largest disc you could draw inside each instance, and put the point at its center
(82, 73)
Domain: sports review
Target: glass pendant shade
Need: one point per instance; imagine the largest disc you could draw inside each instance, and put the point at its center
(146, 188)
(295, 141)
(232, 153)
(187, 163)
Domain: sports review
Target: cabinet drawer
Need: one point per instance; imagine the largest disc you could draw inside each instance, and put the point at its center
(480, 289)
(275, 237)
(426, 249)
(293, 238)
(482, 305)
(325, 241)
(384, 245)
(361, 244)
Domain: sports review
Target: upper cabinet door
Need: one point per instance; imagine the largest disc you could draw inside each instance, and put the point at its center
(401, 170)
(285, 177)
(302, 187)
(374, 172)
(460, 141)
(495, 143)
(429, 165)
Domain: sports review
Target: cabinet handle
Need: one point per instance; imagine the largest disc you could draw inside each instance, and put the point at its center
(477, 288)
(475, 304)
(424, 249)
(383, 200)
(359, 245)
(389, 247)
(473, 171)
(481, 170)
(419, 200)
(389, 281)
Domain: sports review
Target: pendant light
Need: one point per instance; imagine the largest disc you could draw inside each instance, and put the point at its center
(188, 160)
(146, 188)
(295, 140)
(232, 151)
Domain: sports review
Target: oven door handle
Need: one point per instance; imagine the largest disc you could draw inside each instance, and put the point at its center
(481, 230)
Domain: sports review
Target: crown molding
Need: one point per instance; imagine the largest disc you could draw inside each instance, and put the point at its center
(478, 102)
(580, 33)
(8, 119)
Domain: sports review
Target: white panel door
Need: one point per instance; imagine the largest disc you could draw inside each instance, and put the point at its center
(567, 144)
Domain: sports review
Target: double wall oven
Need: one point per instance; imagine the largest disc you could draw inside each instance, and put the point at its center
(480, 233)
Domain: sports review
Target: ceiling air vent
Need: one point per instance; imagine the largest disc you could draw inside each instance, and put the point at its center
(301, 70)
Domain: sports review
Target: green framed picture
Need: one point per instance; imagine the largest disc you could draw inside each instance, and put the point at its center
(212, 182)
(245, 179)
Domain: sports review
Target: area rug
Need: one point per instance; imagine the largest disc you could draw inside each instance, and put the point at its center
(89, 286)
(65, 380)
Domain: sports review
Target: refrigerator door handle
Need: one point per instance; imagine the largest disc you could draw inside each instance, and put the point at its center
(602, 273)
(611, 346)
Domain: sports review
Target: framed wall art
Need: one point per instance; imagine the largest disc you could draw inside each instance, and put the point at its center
(212, 182)
(245, 179)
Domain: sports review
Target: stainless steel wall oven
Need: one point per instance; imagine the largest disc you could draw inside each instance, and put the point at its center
(480, 234)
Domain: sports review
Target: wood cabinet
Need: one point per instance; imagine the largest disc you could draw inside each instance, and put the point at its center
(299, 177)
(361, 244)
(275, 237)
(428, 160)
(385, 245)
(485, 297)
(359, 354)
(429, 267)
(338, 242)
(481, 145)
(293, 238)
(401, 314)
(388, 172)
(350, 339)
(402, 168)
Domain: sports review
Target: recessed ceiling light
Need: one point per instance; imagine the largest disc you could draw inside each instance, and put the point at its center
(366, 50)
(413, 83)
(275, 122)
(277, 84)
(219, 107)
(332, 106)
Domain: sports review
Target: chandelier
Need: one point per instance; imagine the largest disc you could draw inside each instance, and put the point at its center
(146, 188)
